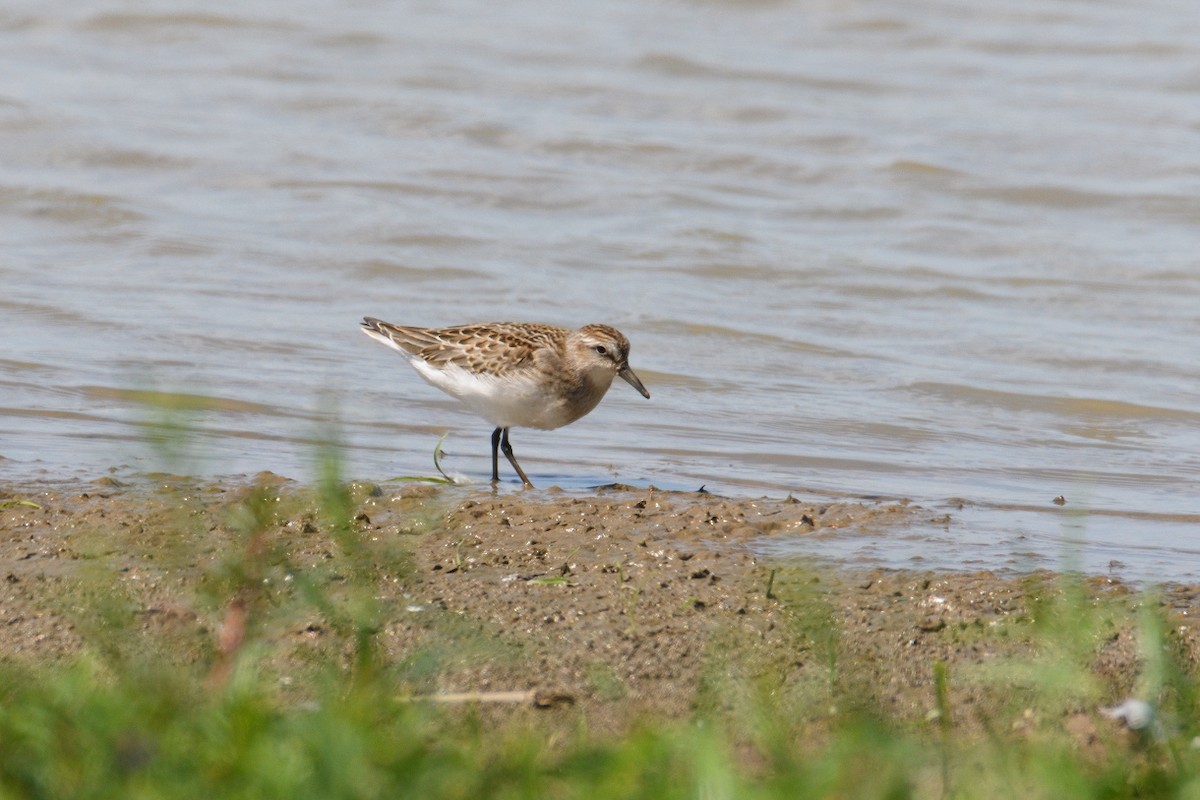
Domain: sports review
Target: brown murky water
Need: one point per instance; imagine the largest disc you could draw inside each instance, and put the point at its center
(928, 249)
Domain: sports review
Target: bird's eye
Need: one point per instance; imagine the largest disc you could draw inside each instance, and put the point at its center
(601, 349)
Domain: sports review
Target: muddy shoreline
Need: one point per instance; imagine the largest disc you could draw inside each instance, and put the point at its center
(623, 605)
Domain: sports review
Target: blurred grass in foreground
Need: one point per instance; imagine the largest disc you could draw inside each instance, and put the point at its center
(126, 721)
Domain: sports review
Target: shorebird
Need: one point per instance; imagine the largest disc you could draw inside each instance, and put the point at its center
(515, 374)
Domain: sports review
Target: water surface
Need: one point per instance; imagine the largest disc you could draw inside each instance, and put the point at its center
(925, 250)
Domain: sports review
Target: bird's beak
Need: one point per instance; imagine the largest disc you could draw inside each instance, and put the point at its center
(626, 373)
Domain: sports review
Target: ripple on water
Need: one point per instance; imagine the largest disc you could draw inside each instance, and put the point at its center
(938, 272)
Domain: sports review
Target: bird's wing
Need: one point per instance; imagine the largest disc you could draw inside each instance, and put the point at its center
(486, 349)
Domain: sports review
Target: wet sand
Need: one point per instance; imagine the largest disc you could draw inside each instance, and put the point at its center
(621, 606)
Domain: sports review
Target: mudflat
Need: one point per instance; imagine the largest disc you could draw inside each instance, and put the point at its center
(623, 605)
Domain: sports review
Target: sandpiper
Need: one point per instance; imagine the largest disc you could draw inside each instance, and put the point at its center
(515, 373)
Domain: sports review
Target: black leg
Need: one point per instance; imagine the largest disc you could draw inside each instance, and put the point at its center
(495, 456)
(507, 448)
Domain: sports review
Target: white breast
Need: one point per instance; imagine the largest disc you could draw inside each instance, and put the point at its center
(519, 400)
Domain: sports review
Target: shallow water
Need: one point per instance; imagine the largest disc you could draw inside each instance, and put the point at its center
(928, 250)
